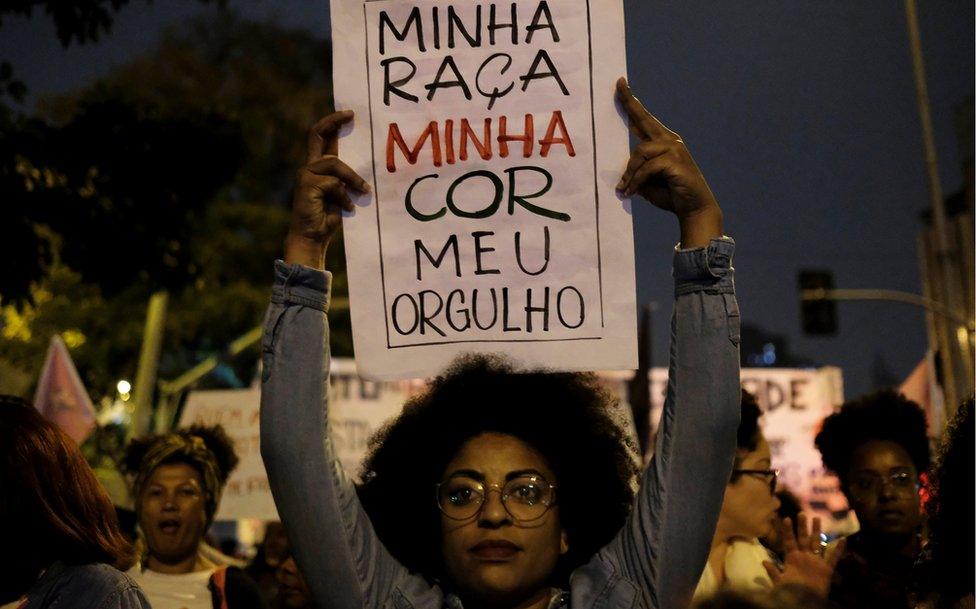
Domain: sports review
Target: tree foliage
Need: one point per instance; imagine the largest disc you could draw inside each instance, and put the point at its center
(173, 172)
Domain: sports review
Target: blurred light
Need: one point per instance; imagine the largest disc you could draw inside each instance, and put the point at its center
(124, 387)
(769, 354)
(125, 396)
(73, 338)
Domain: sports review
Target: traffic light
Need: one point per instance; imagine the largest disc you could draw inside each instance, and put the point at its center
(818, 316)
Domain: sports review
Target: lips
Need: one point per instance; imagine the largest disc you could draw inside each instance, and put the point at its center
(891, 514)
(169, 526)
(495, 550)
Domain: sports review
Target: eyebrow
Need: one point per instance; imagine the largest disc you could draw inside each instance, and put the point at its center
(480, 477)
(891, 470)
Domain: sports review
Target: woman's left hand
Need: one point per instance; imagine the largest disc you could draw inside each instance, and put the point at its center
(662, 171)
(804, 561)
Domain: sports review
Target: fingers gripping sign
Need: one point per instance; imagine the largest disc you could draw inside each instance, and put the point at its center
(321, 193)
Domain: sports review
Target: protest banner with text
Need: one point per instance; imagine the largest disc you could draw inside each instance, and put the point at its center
(489, 134)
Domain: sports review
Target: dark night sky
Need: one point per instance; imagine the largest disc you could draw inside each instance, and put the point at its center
(801, 115)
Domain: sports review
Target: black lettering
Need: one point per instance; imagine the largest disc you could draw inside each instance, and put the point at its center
(408, 203)
(529, 310)
(426, 315)
(438, 84)
(401, 35)
(494, 309)
(479, 250)
(451, 243)
(493, 25)
(523, 200)
(453, 21)
(496, 92)
(775, 396)
(559, 307)
(542, 8)
(393, 314)
(518, 252)
(394, 85)
(505, 325)
(483, 213)
(449, 310)
(437, 27)
(534, 74)
(795, 387)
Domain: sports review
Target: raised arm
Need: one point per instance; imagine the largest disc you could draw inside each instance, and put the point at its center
(344, 563)
(665, 543)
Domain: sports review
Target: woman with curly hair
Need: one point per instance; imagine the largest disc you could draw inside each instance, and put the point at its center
(944, 576)
(499, 489)
(62, 544)
(878, 447)
(178, 480)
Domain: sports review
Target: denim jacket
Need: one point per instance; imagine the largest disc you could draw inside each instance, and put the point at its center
(93, 586)
(653, 562)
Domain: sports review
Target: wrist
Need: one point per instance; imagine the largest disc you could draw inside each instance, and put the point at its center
(701, 226)
(300, 249)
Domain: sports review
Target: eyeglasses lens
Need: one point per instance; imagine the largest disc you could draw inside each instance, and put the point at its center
(524, 498)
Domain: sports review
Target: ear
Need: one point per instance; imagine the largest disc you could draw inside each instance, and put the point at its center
(563, 542)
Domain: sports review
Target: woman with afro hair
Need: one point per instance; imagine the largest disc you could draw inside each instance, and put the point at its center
(497, 488)
(878, 448)
(178, 478)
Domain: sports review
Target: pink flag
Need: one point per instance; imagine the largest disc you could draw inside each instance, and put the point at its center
(922, 388)
(61, 397)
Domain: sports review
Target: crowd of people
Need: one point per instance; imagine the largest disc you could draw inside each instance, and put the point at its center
(501, 488)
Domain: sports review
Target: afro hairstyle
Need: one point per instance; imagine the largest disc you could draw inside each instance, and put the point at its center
(946, 570)
(568, 418)
(214, 437)
(882, 415)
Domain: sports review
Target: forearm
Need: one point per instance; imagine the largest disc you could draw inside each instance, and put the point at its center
(697, 434)
(665, 543)
(311, 493)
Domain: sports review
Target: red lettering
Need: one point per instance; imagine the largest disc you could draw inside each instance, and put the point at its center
(504, 138)
(483, 146)
(395, 137)
(550, 139)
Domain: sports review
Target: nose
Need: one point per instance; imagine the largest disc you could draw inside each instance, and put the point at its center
(887, 491)
(493, 512)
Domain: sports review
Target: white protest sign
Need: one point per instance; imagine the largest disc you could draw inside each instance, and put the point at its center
(246, 494)
(490, 136)
(794, 402)
(357, 408)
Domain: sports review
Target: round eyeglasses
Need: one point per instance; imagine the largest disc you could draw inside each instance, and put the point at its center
(770, 474)
(525, 498)
(903, 484)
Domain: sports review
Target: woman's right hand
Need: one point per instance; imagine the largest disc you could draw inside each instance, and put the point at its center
(321, 194)
(805, 562)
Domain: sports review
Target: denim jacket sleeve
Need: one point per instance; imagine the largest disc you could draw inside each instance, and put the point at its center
(664, 545)
(345, 564)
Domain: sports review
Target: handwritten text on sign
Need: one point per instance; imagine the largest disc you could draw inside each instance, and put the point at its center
(483, 142)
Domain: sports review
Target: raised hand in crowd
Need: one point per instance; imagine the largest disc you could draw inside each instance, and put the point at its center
(805, 560)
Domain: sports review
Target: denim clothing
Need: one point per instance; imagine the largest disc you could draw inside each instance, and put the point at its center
(95, 586)
(653, 562)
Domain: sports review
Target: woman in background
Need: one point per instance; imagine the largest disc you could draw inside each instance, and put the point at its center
(57, 523)
(179, 478)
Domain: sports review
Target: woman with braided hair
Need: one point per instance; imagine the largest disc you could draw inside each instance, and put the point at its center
(178, 480)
